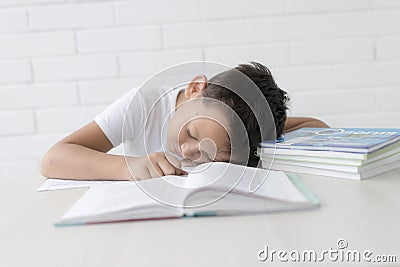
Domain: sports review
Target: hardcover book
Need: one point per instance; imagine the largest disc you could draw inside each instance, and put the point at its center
(210, 189)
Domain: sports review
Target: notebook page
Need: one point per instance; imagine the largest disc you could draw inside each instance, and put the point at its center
(277, 185)
(111, 198)
(57, 184)
(223, 176)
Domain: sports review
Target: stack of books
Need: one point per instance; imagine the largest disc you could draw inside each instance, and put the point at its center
(354, 153)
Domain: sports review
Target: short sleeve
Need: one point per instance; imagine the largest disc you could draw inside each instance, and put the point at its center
(128, 108)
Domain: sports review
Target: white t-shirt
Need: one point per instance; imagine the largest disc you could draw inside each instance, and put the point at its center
(139, 120)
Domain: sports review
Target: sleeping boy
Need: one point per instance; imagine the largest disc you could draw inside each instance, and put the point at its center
(220, 119)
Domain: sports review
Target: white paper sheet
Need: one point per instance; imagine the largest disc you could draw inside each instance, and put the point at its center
(57, 184)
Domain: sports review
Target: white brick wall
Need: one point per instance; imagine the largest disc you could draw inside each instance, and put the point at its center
(65, 119)
(75, 68)
(63, 61)
(16, 122)
(37, 45)
(70, 16)
(332, 51)
(119, 39)
(146, 63)
(15, 71)
(274, 54)
(13, 20)
(155, 12)
(38, 95)
(388, 48)
(104, 91)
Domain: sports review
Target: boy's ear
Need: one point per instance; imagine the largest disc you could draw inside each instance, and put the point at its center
(196, 86)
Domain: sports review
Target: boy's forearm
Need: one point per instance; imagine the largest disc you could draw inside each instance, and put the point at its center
(297, 123)
(71, 161)
(312, 124)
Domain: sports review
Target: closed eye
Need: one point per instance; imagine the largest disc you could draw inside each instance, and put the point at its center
(188, 132)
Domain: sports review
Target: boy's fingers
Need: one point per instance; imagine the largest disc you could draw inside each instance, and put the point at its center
(173, 160)
(155, 170)
(142, 174)
(189, 163)
(177, 164)
(161, 164)
(182, 172)
(169, 169)
(166, 167)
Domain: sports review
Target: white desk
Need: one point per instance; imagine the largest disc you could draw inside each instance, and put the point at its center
(366, 214)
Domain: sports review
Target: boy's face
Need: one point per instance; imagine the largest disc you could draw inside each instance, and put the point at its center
(198, 131)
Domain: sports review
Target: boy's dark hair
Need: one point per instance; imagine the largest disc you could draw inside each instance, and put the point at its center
(277, 100)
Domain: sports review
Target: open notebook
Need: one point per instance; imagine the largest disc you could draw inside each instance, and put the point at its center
(211, 189)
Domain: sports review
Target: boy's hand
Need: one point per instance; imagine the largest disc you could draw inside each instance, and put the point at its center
(154, 165)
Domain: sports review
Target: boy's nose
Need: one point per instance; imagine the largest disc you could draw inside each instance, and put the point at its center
(190, 150)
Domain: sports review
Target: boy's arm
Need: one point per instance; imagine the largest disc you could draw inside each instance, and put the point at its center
(294, 123)
(83, 156)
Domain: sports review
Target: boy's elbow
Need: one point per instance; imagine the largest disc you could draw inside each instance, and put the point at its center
(319, 124)
(44, 165)
(47, 163)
